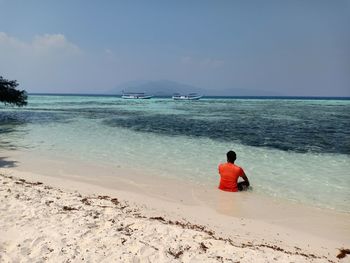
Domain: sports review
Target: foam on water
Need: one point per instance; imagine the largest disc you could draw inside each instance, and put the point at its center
(105, 130)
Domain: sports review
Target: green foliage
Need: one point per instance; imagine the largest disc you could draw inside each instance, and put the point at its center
(10, 95)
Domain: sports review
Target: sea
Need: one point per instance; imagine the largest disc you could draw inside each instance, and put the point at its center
(295, 149)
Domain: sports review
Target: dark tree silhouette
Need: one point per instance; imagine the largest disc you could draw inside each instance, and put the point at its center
(10, 95)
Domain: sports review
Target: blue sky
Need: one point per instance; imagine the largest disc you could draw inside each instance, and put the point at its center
(283, 47)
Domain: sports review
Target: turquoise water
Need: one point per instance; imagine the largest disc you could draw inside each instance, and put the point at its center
(290, 149)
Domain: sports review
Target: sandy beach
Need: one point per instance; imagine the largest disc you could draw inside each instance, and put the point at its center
(40, 223)
(64, 218)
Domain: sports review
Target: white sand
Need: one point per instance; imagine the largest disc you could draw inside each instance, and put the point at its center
(239, 227)
(39, 223)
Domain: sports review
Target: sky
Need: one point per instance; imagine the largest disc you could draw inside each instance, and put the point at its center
(292, 48)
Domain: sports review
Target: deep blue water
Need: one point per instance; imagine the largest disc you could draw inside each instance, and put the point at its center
(320, 125)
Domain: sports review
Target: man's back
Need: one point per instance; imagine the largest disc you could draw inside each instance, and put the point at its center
(229, 174)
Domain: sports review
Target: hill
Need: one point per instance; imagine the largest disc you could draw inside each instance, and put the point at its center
(168, 88)
(157, 88)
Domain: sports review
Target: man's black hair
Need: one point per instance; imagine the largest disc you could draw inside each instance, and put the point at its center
(231, 156)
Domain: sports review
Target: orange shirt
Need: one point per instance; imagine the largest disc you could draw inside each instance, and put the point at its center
(229, 174)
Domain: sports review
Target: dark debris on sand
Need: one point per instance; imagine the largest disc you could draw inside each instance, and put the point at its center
(85, 201)
(343, 252)
(115, 201)
(175, 254)
(203, 247)
(22, 181)
(68, 208)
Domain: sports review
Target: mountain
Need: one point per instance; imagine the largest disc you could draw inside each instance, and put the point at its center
(168, 88)
(157, 88)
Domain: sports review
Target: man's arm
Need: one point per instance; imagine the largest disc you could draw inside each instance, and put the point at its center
(245, 178)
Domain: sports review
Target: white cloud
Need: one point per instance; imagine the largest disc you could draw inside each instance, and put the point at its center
(46, 62)
(40, 45)
(54, 42)
(6, 40)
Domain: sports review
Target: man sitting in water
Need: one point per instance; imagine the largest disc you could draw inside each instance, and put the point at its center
(229, 173)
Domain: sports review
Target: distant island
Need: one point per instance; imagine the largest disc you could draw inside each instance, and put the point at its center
(168, 88)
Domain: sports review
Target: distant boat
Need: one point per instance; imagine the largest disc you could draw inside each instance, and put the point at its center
(191, 96)
(136, 95)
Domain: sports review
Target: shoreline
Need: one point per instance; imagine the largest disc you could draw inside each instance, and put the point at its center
(255, 219)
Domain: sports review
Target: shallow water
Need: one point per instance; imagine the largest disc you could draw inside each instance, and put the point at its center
(293, 149)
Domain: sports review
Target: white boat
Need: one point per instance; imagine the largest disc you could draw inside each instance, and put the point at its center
(191, 96)
(136, 95)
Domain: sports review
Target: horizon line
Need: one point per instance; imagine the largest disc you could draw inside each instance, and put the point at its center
(204, 96)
